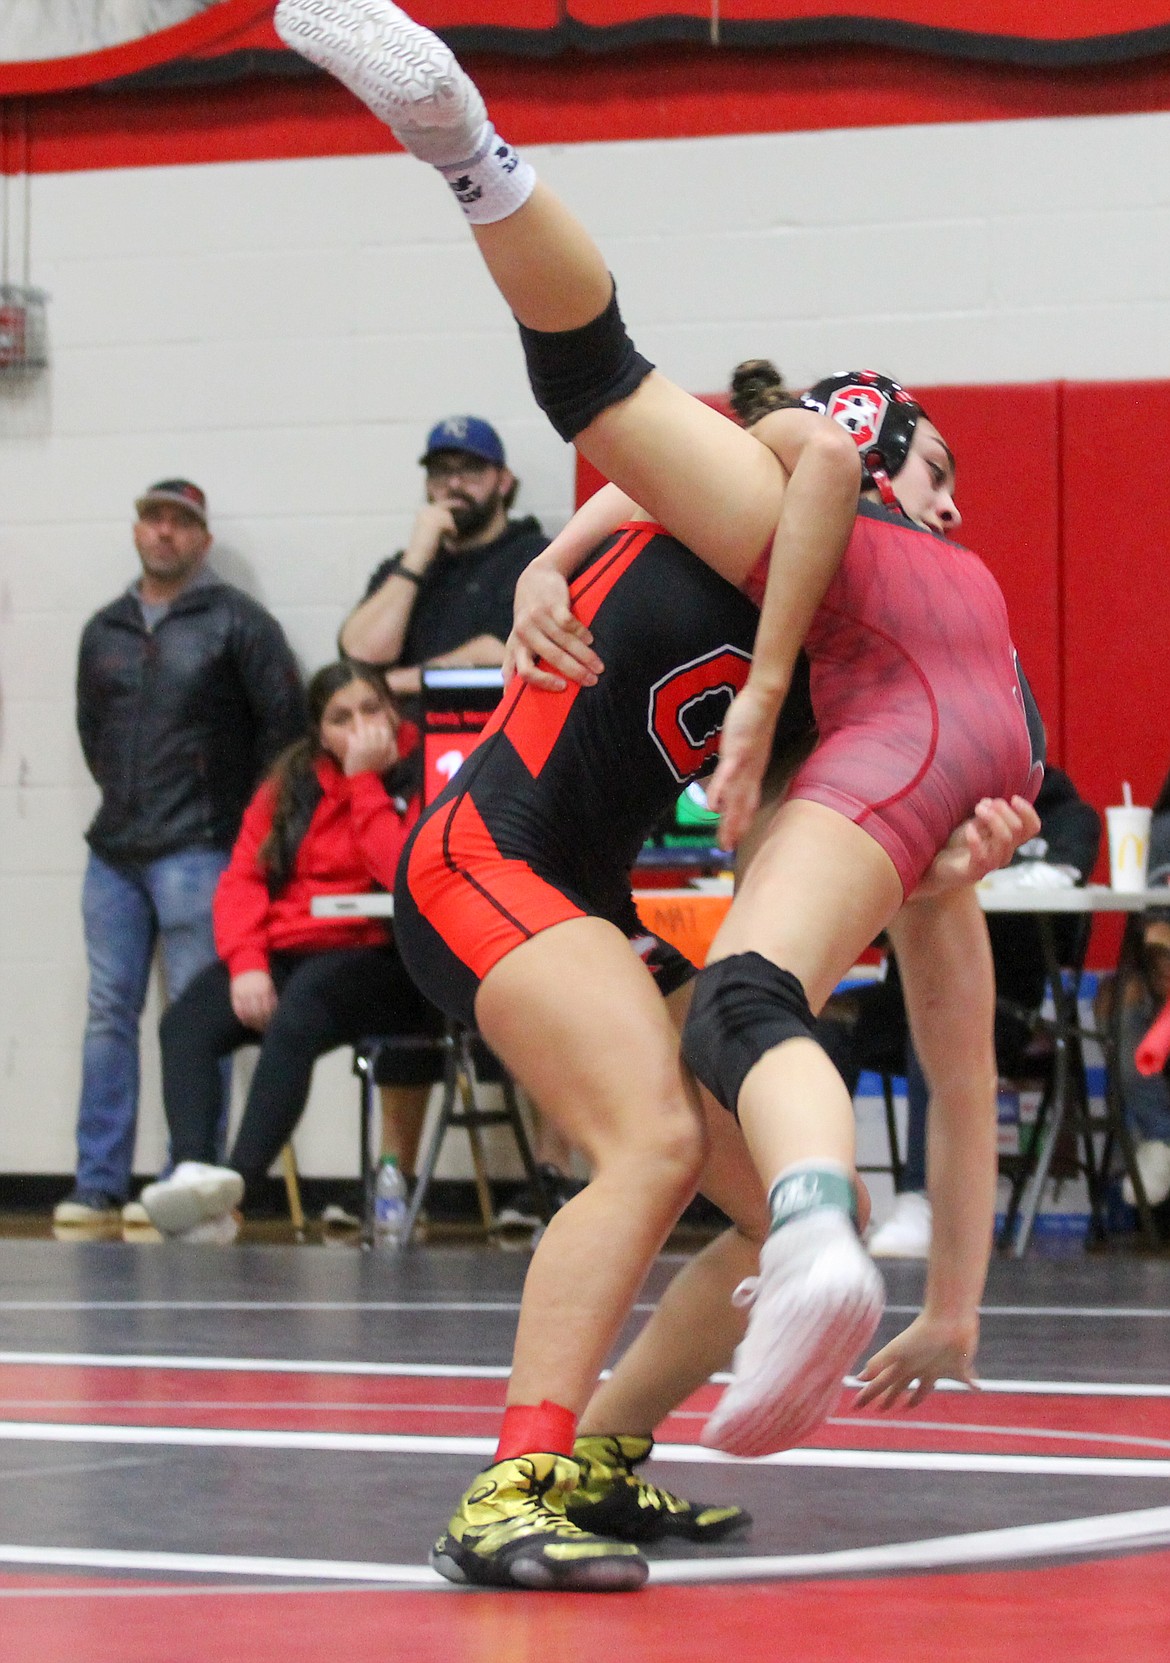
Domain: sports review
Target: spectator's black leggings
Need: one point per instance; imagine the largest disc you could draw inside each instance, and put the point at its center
(326, 999)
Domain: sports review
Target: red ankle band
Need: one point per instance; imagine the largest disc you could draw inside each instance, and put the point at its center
(531, 1429)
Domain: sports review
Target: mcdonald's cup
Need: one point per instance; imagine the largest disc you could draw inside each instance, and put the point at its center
(1129, 846)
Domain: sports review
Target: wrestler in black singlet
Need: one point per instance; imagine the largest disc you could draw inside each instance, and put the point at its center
(545, 819)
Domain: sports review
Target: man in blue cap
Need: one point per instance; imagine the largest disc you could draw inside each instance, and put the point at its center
(446, 598)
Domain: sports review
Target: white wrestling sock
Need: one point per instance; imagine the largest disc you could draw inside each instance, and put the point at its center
(494, 183)
(410, 80)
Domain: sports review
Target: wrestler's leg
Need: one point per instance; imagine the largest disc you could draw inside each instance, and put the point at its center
(576, 1018)
(553, 277)
(816, 894)
(692, 1332)
(695, 1327)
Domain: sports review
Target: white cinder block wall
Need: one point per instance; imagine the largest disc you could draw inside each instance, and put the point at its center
(284, 333)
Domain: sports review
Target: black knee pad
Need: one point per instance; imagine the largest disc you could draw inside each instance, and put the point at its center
(575, 374)
(743, 1006)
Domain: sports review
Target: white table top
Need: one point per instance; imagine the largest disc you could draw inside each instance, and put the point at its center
(1092, 898)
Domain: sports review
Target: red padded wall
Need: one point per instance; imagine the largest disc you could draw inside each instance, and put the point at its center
(1117, 585)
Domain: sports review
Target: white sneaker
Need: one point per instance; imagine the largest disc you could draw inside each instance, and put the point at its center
(399, 70)
(193, 1194)
(216, 1232)
(906, 1233)
(1153, 1164)
(135, 1215)
(816, 1303)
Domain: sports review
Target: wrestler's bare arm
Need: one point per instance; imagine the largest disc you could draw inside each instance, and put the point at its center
(949, 981)
(543, 625)
(816, 519)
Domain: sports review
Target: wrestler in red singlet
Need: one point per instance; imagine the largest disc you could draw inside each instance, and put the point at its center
(920, 705)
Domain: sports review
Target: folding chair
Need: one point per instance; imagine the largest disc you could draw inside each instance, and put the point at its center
(466, 1061)
(455, 705)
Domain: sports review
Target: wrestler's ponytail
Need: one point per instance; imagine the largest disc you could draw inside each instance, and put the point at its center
(757, 387)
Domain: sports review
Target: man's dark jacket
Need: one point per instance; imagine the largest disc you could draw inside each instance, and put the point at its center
(179, 723)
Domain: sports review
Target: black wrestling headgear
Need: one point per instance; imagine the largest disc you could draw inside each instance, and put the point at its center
(879, 414)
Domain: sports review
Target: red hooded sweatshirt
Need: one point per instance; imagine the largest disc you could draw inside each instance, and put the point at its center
(352, 845)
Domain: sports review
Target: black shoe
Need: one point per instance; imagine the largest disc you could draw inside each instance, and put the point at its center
(510, 1531)
(523, 1211)
(612, 1500)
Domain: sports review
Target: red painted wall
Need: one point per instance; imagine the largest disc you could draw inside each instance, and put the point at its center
(670, 92)
(1116, 545)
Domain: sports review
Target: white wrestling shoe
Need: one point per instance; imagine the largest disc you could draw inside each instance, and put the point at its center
(906, 1233)
(1152, 1159)
(399, 70)
(815, 1304)
(194, 1194)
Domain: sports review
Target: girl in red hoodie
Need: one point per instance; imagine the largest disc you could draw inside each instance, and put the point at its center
(331, 818)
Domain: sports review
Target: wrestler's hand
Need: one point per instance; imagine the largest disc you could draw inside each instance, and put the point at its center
(745, 749)
(544, 628)
(980, 845)
(910, 1367)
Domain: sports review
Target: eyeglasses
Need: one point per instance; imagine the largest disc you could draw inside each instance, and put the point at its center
(456, 464)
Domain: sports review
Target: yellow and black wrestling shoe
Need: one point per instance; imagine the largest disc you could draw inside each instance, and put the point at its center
(611, 1499)
(510, 1531)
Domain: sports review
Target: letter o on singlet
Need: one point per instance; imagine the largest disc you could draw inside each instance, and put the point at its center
(688, 706)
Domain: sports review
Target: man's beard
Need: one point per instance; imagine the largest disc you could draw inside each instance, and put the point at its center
(471, 517)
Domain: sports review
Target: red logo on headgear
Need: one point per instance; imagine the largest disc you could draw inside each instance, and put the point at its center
(859, 410)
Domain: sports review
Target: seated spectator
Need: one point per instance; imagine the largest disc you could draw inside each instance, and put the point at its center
(868, 1028)
(445, 600)
(331, 817)
(1143, 988)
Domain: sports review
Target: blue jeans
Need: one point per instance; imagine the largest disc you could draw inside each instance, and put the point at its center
(917, 1101)
(1147, 1101)
(127, 911)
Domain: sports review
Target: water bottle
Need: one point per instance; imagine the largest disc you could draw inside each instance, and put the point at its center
(390, 1205)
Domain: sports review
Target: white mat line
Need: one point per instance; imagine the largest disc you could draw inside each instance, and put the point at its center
(428, 1307)
(1149, 1527)
(494, 1371)
(461, 1307)
(180, 1590)
(256, 1365)
(224, 1564)
(406, 1443)
(881, 1425)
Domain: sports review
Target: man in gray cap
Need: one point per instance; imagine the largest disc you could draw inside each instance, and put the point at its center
(186, 691)
(446, 598)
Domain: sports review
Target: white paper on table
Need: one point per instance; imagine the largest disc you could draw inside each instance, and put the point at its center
(1032, 874)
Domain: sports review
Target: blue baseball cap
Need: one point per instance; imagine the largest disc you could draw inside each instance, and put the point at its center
(469, 434)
